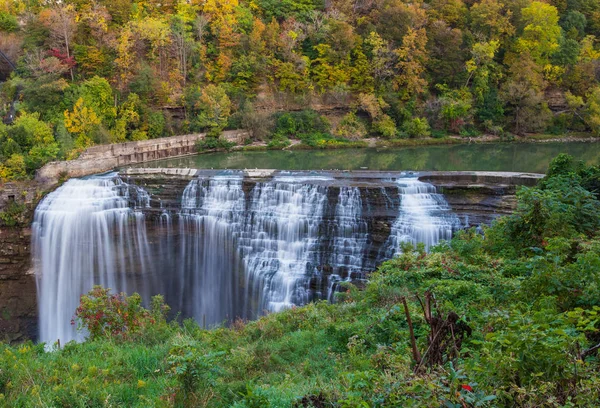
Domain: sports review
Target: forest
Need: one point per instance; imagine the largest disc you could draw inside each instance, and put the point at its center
(510, 317)
(78, 73)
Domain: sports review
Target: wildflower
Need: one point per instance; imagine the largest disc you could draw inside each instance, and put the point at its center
(467, 387)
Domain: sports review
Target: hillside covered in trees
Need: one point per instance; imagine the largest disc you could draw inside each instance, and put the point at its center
(79, 73)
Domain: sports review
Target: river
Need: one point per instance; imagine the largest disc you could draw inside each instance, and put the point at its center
(524, 157)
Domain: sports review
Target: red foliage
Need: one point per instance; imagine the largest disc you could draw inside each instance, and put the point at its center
(69, 62)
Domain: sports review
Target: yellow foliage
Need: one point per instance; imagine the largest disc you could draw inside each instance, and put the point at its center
(82, 119)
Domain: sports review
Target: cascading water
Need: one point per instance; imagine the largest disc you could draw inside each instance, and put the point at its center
(280, 242)
(230, 249)
(350, 232)
(211, 219)
(424, 216)
(85, 233)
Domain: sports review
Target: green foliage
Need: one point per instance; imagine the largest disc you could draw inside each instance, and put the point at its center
(385, 126)
(214, 109)
(213, 143)
(285, 8)
(25, 146)
(417, 127)
(351, 127)
(532, 311)
(117, 316)
(12, 215)
(456, 108)
(8, 22)
(303, 122)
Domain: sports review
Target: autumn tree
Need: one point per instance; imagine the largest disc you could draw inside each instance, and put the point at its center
(61, 21)
(82, 121)
(215, 108)
(523, 95)
(541, 32)
(410, 80)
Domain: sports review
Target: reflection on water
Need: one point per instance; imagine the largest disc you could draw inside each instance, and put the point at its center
(528, 157)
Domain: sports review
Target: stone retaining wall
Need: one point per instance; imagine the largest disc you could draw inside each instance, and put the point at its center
(98, 159)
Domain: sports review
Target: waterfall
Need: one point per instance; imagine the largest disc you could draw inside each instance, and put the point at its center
(211, 218)
(350, 232)
(280, 242)
(224, 247)
(424, 216)
(85, 233)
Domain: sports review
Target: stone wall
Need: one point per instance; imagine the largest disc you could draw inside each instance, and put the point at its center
(98, 159)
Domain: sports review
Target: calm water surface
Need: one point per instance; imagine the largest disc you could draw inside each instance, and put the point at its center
(526, 157)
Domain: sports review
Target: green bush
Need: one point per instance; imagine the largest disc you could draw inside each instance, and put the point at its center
(351, 127)
(117, 316)
(213, 143)
(12, 215)
(416, 128)
(385, 127)
(8, 22)
(291, 124)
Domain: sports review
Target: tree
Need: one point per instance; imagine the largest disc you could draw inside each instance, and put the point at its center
(325, 73)
(480, 67)
(8, 22)
(382, 58)
(215, 108)
(62, 23)
(592, 111)
(523, 95)
(35, 139)
(492, 19)
(97, 95)
(541, 34)
(456, 105)
(82, 121)
(13, 168)
(410, 80)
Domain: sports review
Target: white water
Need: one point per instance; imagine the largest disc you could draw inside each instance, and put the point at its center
(211, 219)
(424, 217)
(280, 242)
(226, 253)
(350, 232)
(84, 234)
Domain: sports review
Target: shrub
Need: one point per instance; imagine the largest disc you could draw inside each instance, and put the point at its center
(385, 126)
(14, 168)
(13, 214)
(8, 22)
(213, 143)
(456, 108)
(307, 121)
(106, 315)
(351, 127)
(278, 142)
(416, 127)
(259, 124)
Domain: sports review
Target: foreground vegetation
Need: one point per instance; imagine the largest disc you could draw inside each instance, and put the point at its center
(79, 73)
(509, 318)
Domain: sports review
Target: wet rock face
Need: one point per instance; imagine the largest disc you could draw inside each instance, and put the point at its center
(475, 201)
(18, 308)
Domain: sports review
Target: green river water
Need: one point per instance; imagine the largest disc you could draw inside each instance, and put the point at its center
(522, 157)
